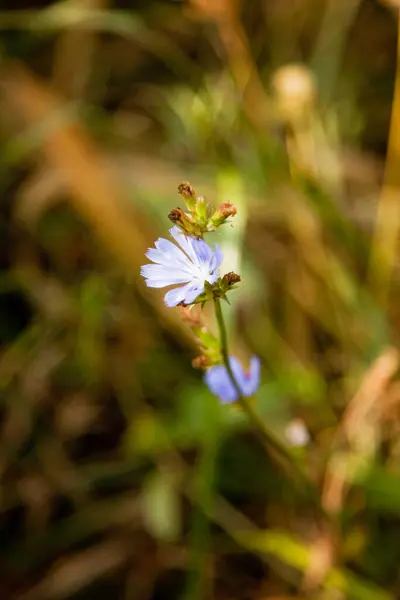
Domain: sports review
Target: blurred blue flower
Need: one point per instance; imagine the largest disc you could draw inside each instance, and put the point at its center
(189, 266)
(220, 384)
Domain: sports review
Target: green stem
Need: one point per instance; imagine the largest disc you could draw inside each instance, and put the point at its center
(267, 438)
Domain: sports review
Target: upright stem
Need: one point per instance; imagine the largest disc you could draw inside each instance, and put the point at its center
(267, 438)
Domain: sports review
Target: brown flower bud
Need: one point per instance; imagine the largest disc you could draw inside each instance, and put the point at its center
(185, 222)
(176, 215)
(227, 209)
(223, 212)
(188, 194)
(231, 278)
(180, 218)
(201, 362)
(185, 190)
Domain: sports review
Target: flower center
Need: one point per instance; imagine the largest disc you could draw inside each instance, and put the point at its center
(203, 273)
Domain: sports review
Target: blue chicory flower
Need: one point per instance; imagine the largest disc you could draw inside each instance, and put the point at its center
(220, 384)
(189, 266)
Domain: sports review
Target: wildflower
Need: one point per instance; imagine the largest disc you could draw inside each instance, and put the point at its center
(189, 266)
(219, 382)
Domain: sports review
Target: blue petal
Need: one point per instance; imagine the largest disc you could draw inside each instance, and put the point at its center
(220, 384)
(212, 277)
(174, 297)
(169, 253)
(166, 260)
(218, 380)
(238, 373)
(193, 290)
(253, 378)
(187, 294)
(217, 258)
(186, 243)
(157, 273)
(156, 284)
(202, 251)
(248, 382)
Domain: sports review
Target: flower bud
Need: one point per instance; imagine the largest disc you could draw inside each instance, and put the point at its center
(201, 210)
(223, 212)
(178, 217)
(185, 222)
(186, 191)
(229, 279)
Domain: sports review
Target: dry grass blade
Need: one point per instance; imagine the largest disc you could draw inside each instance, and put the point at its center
(370, 392)
(75, 572)
(385, 241)
(359, 427)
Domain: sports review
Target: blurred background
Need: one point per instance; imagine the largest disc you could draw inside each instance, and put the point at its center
(121, 477)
